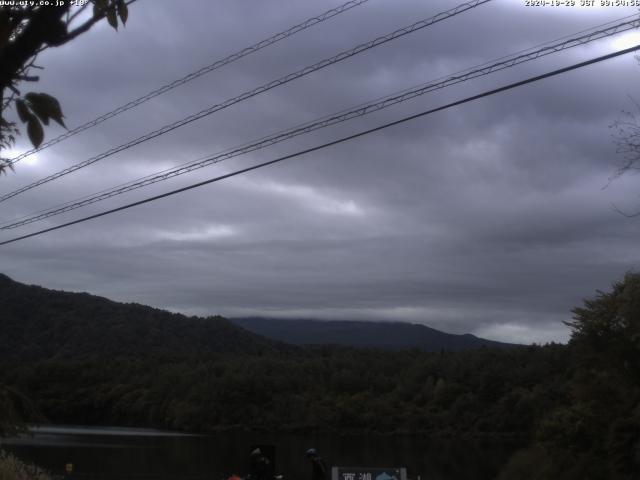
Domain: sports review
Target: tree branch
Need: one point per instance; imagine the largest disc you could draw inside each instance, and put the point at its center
(26, 46)
(89, 23)
(77, 12)
(84, 27)
(27, 78)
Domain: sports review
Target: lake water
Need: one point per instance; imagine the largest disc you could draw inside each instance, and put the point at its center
(116, 453)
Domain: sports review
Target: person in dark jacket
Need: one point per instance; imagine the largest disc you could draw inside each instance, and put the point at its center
(260, 466)
(318, 467)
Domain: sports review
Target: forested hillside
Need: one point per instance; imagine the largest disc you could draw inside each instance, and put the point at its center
(574, 408)
(37, 323)
(483, 392)
(384, 335)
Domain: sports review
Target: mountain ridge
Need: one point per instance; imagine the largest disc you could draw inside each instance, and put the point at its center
(40, 323)
(386, 335)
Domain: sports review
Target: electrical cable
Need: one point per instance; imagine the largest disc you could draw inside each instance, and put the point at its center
(310, 22)
(334, 142)
(251, 93)
(359, 111)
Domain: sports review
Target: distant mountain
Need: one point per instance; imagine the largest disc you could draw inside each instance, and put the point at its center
(385, 335)
(37, 323)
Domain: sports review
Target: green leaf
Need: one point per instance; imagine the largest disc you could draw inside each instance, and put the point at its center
(45, 107)
(23, 110)
(35, 131)
(112, 18)
(40, 112)
(123, 11)
(99, 7)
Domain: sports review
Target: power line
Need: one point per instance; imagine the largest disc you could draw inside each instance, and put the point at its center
(310, 22)
(251, 93)
(334, 142)
(359, 111)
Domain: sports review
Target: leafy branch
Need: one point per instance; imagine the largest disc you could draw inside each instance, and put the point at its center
(25, 31)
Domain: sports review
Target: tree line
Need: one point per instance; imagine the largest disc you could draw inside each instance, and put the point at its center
(573, 409)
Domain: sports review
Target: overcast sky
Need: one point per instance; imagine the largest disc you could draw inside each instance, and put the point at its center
(490, 218)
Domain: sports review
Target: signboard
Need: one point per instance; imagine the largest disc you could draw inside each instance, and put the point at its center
(367, 473)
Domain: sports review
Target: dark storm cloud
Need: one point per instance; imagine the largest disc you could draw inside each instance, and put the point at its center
(489, 218)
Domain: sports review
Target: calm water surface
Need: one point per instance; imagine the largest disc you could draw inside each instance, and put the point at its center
(117, 453)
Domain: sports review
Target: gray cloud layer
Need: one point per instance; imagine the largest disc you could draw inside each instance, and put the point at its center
(489, 218)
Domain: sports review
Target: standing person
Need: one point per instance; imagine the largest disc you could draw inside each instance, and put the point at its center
(318, 467)
(260, 466)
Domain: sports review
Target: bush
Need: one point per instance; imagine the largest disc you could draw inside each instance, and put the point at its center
(11, 468)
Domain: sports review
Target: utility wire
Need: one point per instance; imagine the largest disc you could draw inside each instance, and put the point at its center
(251, 93)
(359, 111)
(334, 142)
(310, 22)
